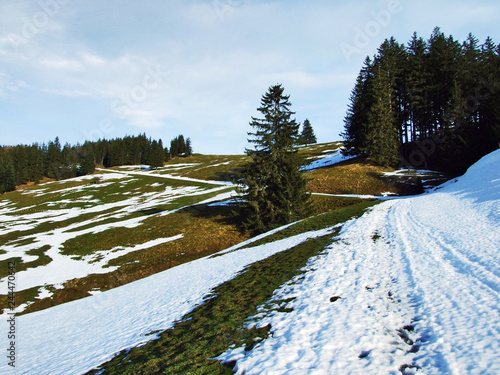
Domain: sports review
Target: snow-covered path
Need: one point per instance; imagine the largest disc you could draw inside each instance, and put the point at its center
(419, 287)
(453, 262)
(167, 176)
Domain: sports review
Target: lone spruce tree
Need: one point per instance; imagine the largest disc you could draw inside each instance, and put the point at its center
(307, 136)
(274, 187)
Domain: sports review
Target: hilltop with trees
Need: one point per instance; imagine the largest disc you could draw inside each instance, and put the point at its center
(180, 146)
(30, 163)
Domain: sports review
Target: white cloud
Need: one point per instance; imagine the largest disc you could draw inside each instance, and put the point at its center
(62, 64)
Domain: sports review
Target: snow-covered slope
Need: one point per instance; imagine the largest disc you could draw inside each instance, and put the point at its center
(77, 336)
(419, 287)
(330, 157)
(418, 280)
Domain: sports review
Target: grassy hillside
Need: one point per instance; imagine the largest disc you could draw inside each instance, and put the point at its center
(92, 223)
(222, 321)
(95, 233)
(206, 167)
(354, 176)
(357, 176)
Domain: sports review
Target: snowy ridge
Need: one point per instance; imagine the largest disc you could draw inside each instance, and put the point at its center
(419, 287)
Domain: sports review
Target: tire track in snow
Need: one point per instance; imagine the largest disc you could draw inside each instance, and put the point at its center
(476, 265)
(449, 287)
(404, 276)
(454, 255)
(363, 270)
(402, 243)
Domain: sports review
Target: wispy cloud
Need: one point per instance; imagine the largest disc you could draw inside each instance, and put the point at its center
(10, 85)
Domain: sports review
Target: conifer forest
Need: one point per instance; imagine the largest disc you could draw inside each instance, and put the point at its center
(430, 103)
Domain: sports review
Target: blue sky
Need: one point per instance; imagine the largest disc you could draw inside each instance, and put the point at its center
(88, 69)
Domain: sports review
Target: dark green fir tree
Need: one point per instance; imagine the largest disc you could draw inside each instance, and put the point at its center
(274, 189)
(87, 166)
(307, 136)
(7, 177)
(156, 155)
(181, 145)
(382, 145)
(357, 112)
(53, 160)
(189, 148)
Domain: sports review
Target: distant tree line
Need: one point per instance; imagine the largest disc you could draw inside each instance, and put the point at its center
(30, 163)
(432, 102)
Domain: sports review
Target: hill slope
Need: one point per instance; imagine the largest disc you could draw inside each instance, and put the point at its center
(418, 280)
(412, 285)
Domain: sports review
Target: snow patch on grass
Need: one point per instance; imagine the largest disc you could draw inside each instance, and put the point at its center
(325, 160)
(79, 335)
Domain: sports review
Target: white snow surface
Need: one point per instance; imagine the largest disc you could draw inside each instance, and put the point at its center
(326, 160)
(168, 176)
(424, 269)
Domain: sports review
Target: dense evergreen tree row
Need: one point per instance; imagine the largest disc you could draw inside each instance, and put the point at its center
(432, 102)
(23, 163)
